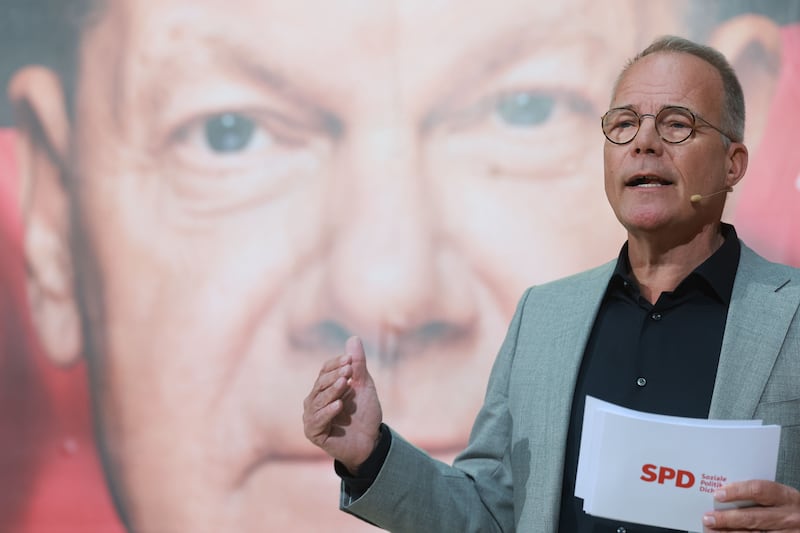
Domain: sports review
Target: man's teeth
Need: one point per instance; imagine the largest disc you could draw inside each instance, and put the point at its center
(649, 181)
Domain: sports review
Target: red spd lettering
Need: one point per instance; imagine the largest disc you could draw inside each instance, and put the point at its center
(649, 473)
(662, 474)
(685, 479)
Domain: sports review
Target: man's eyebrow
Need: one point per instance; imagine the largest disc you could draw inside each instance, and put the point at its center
(631, 107)
(474, 66)
(487, 58)
(228, 53)
(484, 60)
(236, 57)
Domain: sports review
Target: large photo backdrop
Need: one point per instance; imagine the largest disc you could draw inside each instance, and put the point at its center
(200, 201)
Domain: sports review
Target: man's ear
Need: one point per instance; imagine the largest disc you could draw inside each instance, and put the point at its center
(752, 44)
(738, 158)
(37, 98)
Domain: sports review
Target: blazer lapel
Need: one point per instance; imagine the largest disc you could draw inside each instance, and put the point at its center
(763, 302)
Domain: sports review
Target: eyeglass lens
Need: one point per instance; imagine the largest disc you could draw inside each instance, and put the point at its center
(673, 124)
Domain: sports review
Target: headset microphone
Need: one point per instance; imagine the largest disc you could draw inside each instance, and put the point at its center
(699, 197)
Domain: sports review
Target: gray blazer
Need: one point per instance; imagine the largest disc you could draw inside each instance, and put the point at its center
(509, 476)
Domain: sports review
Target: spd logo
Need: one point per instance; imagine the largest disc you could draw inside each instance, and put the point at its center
(665, 475)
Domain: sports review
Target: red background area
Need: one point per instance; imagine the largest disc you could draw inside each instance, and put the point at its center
(50, 477)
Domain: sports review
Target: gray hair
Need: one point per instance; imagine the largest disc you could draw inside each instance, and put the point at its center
(733, 103)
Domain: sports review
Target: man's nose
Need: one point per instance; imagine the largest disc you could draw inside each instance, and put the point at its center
(647, 139)
(387, 271)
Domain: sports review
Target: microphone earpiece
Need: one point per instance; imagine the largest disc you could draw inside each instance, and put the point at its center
(699, 197)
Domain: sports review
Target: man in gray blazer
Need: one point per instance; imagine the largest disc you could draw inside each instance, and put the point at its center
(688, 321)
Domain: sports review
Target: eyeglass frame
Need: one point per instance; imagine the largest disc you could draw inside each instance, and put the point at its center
(640, 118)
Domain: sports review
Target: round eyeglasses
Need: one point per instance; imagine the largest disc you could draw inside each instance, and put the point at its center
(674, 124)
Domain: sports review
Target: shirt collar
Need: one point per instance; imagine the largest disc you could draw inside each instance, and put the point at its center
(718, 271)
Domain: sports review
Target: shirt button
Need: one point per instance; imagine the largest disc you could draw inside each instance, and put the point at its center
(621, 529)
(641, 382)
(656, 316)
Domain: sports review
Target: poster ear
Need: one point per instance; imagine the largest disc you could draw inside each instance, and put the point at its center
(37, 99)
(752, 44)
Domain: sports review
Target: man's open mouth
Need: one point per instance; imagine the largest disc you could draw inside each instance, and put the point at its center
(647, 181)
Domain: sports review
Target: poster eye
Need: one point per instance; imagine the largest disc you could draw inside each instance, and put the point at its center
(229, 132)
(524, 108)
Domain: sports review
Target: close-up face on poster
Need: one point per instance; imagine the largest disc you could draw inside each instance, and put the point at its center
(201, 201)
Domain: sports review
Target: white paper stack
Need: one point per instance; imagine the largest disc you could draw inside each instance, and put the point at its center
(662, 470)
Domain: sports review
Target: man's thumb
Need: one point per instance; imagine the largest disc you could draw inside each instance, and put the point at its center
(355, 349)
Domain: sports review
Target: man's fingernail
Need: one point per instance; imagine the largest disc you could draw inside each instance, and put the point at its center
(709, 520)
(719, 495)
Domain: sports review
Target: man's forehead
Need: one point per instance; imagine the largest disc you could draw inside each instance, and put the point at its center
(664, 68)
(388, 19)
(667, 78)
(298, 31)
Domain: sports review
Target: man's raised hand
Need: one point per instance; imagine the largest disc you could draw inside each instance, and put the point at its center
(342, 413)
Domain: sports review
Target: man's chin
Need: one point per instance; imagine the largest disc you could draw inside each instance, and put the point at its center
(300, 493)
(288, 495)
(296, 494)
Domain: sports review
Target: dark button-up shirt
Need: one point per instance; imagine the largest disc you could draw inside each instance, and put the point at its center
(660, 358)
